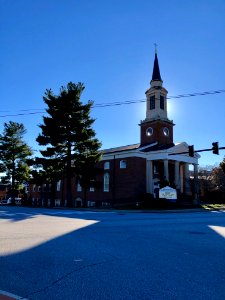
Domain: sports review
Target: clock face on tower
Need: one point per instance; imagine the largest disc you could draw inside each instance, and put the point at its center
(149, 131)
(166, 131)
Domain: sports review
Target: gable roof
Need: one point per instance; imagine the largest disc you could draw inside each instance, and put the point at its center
(146, 148)
(156, 147)
(121, 148)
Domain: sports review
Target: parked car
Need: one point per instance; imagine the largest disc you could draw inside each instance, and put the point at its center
(9, 201)
(4, 202)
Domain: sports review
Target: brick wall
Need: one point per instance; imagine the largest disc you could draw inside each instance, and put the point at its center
(126, 184)
(157, 132)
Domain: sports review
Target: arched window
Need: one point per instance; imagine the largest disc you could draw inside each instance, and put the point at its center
(161, 102)
(92, 187)
(123, 164)
(79, 187)
(106, 182)
(152, 102)
(58, 186)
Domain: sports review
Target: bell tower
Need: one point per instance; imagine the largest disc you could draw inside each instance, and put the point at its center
(156, 127)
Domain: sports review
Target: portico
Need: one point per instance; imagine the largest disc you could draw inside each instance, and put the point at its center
(170, 167)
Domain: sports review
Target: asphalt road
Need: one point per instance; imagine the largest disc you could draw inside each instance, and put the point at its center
(62, 254)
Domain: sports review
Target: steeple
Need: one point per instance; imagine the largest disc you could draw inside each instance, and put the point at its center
(156, 127)
(156, 104)
(156, 72)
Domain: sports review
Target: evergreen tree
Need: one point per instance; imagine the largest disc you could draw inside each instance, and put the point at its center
(67, 132)
(222, 165)
(87, 175)
(14, 153)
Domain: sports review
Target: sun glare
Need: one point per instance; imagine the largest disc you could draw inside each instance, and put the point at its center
(218, 229)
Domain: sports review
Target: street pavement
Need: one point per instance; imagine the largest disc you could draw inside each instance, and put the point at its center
(68, 254)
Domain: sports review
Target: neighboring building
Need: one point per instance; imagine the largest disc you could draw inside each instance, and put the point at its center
(129, 172)
(4, 188)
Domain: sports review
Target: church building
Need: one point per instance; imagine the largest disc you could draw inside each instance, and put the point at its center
(132, 171)
(129, 173)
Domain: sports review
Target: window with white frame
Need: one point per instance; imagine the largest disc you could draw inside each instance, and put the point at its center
(123, 164)
(106, 182)
(34, 188)
(92, 186)
(58, 186)
(79, 187)
(104, 204)
(106, 165)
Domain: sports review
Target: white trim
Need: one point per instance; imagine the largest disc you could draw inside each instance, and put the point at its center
(157, 154)
(153, 155)
(148, 146)
(123, 155)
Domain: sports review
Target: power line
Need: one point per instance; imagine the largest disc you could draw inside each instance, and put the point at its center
(169, 97)
(118, 103)
(22, 114)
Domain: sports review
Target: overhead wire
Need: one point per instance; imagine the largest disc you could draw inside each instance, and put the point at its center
(117, 103)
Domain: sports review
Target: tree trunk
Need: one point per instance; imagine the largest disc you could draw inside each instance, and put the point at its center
(13, 176)
(68, 178)
(52, 199)
(85, 197)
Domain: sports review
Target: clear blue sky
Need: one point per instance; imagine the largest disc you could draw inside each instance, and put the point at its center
(109, 46)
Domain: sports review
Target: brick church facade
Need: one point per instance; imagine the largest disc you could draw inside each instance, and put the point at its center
(131, 172)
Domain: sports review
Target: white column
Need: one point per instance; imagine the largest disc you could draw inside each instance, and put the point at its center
(149, 177)
(195, 171)
(196, 200)
(166, 169)
(186, 179)
(177, 174)
(182, 178)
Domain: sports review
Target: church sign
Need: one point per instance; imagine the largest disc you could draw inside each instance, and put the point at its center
(168, 193)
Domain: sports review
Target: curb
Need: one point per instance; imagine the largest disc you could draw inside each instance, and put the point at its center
(9, 296)
(178, 210)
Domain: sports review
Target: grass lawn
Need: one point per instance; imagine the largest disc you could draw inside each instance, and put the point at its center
(213, 206)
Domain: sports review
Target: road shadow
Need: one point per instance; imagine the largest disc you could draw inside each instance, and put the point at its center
(122, 260)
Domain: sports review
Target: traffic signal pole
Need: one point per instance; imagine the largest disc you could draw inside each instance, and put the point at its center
(201, 150)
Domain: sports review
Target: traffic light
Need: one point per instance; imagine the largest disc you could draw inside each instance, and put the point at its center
(215, 148)
(191, 150)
